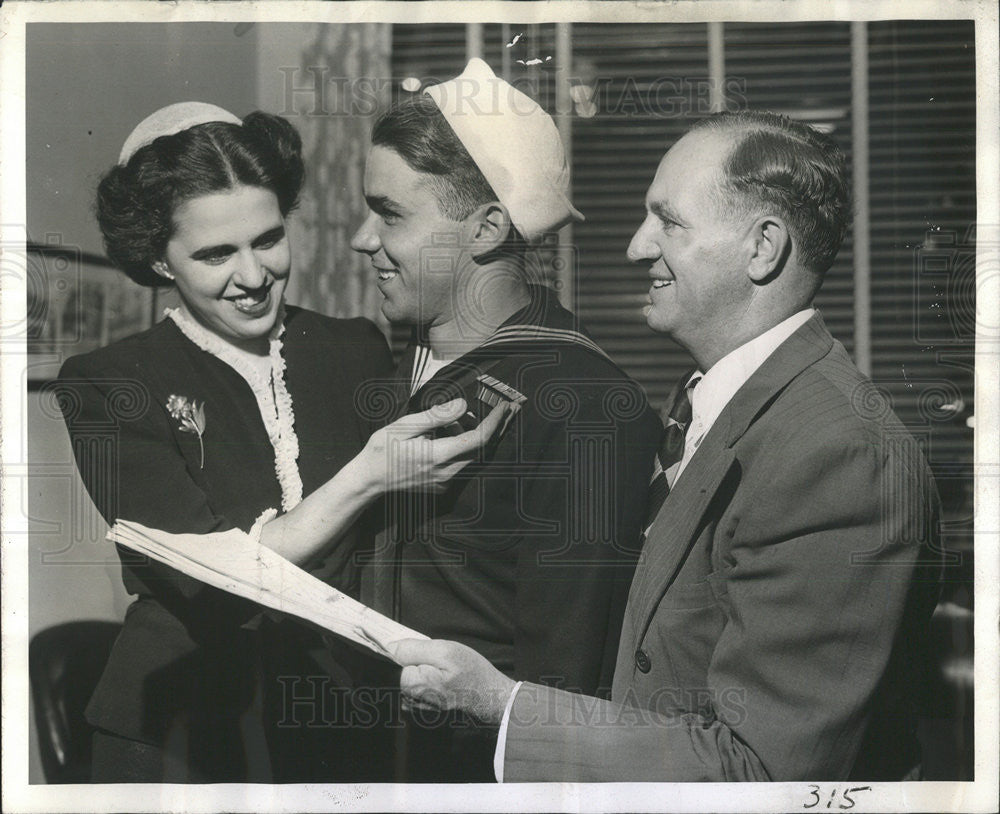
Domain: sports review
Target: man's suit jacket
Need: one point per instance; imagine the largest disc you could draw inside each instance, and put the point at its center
(773, 625)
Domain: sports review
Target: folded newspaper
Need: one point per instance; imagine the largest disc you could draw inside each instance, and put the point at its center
(233, 561)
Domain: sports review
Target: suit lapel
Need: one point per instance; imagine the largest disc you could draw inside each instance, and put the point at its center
(674, 531)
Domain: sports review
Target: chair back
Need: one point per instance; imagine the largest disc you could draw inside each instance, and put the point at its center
(65, 664)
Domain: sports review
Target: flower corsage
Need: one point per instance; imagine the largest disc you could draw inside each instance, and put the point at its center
(191, 416)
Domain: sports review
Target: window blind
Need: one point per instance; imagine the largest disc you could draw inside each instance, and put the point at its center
(649, 79)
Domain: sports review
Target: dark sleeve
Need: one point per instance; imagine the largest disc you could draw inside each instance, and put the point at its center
(594, 440)
(377, 349)
(132, 470)
(359, 395)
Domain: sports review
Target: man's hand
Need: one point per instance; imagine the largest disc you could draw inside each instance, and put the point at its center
(448, 675)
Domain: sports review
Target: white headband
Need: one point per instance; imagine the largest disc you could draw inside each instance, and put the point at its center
(515, 144)
(172, 119)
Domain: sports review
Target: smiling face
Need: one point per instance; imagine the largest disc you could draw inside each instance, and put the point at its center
(414, 248)
(696, 251)
(230, 260)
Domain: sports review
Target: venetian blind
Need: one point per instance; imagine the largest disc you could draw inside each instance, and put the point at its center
(649, 80)
(922, 124)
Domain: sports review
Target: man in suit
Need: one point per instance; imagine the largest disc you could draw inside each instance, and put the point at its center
(774, 623)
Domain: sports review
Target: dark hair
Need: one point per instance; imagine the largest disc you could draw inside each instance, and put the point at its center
(136, 202)
(418, 132)
(786, 165)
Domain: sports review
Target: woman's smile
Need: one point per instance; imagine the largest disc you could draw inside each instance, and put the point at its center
(253, 303)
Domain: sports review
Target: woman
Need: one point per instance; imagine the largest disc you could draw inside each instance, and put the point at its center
(234, 411)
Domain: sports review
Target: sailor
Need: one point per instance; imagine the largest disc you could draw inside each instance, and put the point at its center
(528, 554)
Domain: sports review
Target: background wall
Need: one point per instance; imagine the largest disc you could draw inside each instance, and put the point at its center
(89, 85)
(331, 80)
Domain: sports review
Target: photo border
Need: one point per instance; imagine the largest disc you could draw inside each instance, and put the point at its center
(19, 796)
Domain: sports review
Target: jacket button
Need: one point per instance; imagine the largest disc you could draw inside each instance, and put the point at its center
(642, 661)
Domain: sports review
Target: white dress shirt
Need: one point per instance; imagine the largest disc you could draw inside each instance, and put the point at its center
(718, 386)
(709, 398)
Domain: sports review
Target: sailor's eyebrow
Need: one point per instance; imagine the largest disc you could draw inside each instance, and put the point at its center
(382, 203)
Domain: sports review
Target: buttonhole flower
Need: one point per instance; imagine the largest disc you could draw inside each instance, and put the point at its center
(191, 416)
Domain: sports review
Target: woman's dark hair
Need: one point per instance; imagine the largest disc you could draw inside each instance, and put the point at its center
(136, 201)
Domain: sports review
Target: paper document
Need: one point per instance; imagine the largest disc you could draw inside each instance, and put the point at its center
(233, 561)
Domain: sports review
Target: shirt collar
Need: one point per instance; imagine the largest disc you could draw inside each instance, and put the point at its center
(722, 381)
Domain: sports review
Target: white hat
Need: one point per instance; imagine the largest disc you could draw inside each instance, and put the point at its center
(172, 119)
(514, 143)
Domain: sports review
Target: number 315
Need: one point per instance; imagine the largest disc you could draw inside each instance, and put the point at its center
(847, 800)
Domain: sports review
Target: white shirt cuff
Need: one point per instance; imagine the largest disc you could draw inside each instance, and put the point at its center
(502, 734)
(257, 529)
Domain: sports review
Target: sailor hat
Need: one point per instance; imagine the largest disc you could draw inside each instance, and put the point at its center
(515, 144)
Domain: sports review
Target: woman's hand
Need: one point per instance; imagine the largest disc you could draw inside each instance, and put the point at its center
(445, 675)
(403, 457)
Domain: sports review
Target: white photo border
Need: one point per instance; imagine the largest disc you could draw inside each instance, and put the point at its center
(19, 796)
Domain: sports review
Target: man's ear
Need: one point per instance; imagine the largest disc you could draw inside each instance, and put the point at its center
(487, 228)
(161, 268)
(770, 245)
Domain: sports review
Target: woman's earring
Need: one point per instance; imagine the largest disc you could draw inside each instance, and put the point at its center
(162, 269)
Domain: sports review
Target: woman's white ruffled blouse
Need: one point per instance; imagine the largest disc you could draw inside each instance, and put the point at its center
(273, 401)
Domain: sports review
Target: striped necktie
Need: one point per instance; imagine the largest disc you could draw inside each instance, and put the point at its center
(676, 417)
